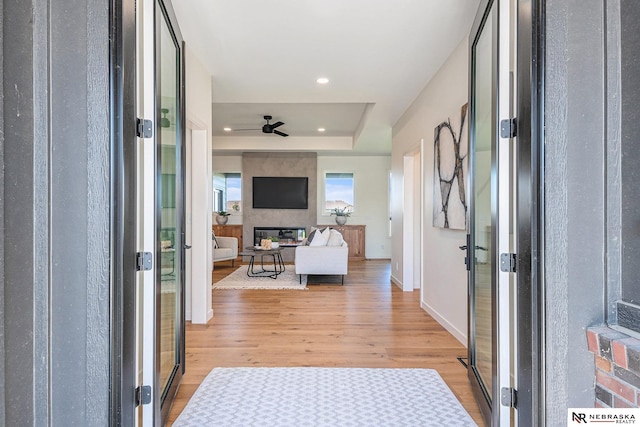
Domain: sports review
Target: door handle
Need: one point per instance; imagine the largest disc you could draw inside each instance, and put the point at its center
(480, 248)
(184, 245)
(467, 257)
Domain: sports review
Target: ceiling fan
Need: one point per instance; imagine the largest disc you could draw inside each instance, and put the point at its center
(268, 128)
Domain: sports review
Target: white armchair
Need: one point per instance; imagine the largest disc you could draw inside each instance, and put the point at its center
(227, 249)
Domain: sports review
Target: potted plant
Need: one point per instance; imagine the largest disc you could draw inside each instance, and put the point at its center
(341, 215)
(222, 217)
(275, 242)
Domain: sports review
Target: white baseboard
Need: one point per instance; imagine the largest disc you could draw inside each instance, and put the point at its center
(209, 314)
(396, 282)
(460, 336)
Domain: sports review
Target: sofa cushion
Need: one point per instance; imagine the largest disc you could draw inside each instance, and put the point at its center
(222, 253)
(335, 238)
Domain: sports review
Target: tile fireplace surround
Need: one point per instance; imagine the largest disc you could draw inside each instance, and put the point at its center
(278, 164)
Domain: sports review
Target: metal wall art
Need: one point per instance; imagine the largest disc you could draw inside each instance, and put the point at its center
(450, 167)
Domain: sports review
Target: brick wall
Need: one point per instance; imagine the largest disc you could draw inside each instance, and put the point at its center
(617, 375)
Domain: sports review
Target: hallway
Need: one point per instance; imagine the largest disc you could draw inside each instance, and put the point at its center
(368, 322)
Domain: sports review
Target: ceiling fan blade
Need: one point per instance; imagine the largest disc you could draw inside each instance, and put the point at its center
(277, 132)
(276, 124)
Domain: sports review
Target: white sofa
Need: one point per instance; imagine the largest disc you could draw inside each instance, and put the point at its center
(323, 259)
(227, 249)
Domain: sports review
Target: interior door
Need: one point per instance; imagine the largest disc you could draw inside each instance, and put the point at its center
(482, 126)
(490, 238)
(170, 207)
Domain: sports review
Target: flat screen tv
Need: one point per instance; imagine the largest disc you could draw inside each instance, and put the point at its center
(280, 192)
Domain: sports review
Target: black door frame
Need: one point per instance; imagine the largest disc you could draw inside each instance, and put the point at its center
(122, 116)
(530, 77)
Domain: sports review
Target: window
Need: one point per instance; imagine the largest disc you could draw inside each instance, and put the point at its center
(227, 192)
(218, 199)
(338, 191)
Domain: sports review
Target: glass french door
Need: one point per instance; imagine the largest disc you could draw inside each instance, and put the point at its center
(482, 193)
(160, 210)
(491, 304)
(170, 207)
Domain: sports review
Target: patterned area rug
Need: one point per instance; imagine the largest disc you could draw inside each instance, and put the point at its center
(239, 280)
(325, 397)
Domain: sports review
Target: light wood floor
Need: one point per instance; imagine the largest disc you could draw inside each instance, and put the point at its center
(368, 322)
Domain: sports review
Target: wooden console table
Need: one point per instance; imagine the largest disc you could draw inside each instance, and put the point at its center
(354, 235)
(230, 230)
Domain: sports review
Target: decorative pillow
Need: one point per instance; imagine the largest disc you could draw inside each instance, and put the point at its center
(312, 233)
(326, 233)
(215, 241)
(335, 238)
(318, 239)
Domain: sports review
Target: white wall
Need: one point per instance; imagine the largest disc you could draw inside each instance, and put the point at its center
(371, 198)
(198, 215)
(444, 289)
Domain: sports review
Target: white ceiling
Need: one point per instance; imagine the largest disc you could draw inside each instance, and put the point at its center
(265, 57)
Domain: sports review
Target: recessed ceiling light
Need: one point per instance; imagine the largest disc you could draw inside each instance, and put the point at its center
(321, 129)
(322, 80)
(227, 129)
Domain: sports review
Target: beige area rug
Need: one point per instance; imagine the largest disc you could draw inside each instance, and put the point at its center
(239, 280)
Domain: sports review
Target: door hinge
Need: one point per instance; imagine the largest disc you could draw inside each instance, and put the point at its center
(144, 128)
(508, 397)
(508, 263)
(143, 395)
(143, 261)
(508, 128)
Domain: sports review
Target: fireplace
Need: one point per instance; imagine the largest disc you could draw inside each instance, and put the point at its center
(287, 236)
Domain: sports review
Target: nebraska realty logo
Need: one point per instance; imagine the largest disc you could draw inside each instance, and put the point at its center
(582, 416)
